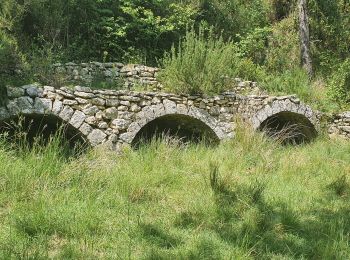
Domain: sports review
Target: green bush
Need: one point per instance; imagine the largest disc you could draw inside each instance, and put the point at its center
(202, 62)
(339, 85)
(254, 44)
(11, 59)
(283, 51)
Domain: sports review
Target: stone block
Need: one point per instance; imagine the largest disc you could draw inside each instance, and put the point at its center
(77, 119)
(96, 137)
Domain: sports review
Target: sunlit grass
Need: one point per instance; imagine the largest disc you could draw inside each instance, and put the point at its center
(244, 199)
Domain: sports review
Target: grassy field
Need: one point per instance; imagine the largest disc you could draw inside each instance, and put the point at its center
(248, 198)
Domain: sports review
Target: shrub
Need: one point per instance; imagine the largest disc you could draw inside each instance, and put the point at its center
(11, 59)
(339, 85)
(254, 44)
(201, 63)
(283, 52)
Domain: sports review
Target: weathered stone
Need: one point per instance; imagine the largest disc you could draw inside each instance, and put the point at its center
(113, 138)
(345, 128)
(103, 125)
(84, 94)
(98, 101)
(130, 98)
(85, 129)
(126, 137)
(32, 91)
(156, 100)
(144, 103)
(96, 137)
(112, 102)
(135, 108)
(82, 89)
(120, 124)
(42, 105)
(122, 108)
(169, 106)
(91, 120)
(125, 103)
(77, 119)
(111, 113)
(15, 92)
(214, 111)
(99, 115)
(4, 114)
(57, 107)
(66, 113)
(82, 101)
(48, 89)
(65, 93)
(134, 127)
(70, 102)
(158, 110)
(91, 110)
(20, 105)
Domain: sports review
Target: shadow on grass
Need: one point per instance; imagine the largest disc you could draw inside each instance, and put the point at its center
(245, 218)
(265, 230)
(155, 235)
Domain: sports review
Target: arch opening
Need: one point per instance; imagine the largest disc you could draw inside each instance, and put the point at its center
(183, 127)
(36, 129)
(289, 128)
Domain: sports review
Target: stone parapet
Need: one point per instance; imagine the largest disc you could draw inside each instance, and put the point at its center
(117, 116)
(129, 76)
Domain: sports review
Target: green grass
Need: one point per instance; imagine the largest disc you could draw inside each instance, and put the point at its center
(248, 198)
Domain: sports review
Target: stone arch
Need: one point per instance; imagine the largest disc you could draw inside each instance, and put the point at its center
(195, 120)
(37, 117)
(289, 121)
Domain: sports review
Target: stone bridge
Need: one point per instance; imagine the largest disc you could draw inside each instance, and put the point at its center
(117, 118)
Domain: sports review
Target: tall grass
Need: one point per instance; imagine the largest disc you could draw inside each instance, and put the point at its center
(248, 198)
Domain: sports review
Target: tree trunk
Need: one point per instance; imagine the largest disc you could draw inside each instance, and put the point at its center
(306, 61)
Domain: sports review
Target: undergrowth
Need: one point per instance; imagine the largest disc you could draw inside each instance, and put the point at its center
(248, 198)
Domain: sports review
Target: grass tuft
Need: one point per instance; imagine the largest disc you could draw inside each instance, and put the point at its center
(247, 198)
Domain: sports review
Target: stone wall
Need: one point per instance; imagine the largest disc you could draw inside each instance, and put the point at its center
(130, 75)
(113, 72)
(116, 117)
(340, 125)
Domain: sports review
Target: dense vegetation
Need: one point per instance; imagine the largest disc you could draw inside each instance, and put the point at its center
(261, 36)
(248, 198)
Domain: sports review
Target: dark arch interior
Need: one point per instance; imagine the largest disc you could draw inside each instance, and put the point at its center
(41, 129)
(186, 128)
(289, 128)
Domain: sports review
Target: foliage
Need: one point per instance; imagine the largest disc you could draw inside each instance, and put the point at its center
(12, 59)
(329, 23)
(116, 30)
(255, 44)
(244, 199)
(283, 51)
(230, 17)
(202, 62)
(339, 89)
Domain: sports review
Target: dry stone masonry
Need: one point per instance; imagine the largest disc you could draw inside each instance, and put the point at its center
(340, 125)
(119, 117)
(116, 118)
(113, 72)
(129, 76)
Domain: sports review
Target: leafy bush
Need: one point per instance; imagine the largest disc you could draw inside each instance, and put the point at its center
(255, 43)
(339, 85)
(202, 62)
(283, 52)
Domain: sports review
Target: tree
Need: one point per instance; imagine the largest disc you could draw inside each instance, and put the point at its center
(306, 61)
